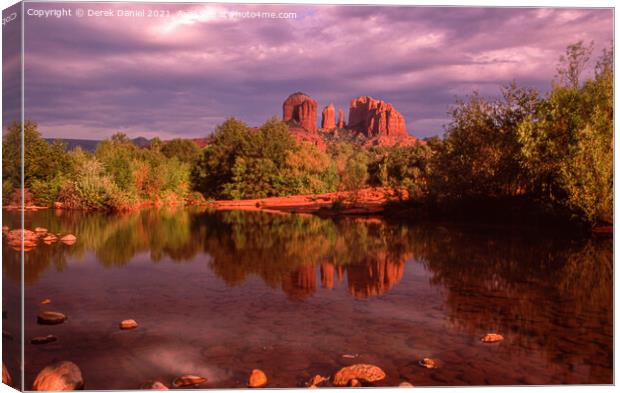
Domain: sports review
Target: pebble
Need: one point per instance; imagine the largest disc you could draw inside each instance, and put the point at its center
(154, 385)
(188, 380)
(43, 339)
(68, 239)
(427, 363)
(492, 338)
(51, 318)
(257, 379)
(128, 324)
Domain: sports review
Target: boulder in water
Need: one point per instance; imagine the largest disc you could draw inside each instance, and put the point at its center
(61, 375)
(361, 372)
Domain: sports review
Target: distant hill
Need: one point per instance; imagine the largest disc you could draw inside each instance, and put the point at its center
(91, 144)
(141, 141)
(85, 144)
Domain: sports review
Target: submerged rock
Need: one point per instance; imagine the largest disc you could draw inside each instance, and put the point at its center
(43, 339)
(128, 324)
(361, 372)
(427, 363)
(51, 318)
(62, 375)
(154, 385)
(40, 231)
(68, 239)
(50, 238)
(492, 338)
(257, 379)
(18, 233)
(20, 240)
(405, 384)
(188, 380)
(6, 377)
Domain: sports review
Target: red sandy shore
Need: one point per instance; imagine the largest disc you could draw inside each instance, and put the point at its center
(364, 201)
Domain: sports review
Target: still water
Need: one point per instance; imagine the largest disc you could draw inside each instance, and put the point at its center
(220, 293)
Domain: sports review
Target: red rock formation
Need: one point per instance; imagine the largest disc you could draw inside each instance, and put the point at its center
(376, 118)
(300, 110)
(340, 118)
(328, 120)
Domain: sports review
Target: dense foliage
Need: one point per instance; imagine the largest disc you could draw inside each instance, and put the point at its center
(555, 151)
(118, 175)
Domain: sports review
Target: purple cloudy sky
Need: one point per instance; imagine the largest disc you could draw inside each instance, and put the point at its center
(181, 76)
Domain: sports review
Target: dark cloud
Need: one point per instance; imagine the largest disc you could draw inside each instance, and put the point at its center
(183, 75)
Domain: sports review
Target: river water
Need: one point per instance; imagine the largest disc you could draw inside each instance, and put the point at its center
(218, 294)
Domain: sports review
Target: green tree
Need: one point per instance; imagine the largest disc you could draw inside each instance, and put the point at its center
(184, 150)
(44, 163)
(568, 143)
(245, 163)
(480, 154)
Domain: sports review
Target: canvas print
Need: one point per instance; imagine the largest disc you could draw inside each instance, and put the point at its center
(209, 196)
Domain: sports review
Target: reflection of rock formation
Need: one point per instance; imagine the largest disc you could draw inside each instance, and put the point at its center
(301, 283)
(375, 276)
(371, 277)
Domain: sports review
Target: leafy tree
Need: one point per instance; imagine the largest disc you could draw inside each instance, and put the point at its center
(355, 171)
(402, 167)
(184, 150)
(43, 162)
(480, 154)
(568, 143)
(573, 63)
(245, 163)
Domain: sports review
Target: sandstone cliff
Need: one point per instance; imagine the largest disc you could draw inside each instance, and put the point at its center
(375, 117)
(300, 110)
(328, 120)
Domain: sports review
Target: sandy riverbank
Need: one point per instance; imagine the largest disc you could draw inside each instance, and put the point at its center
(362, 202)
